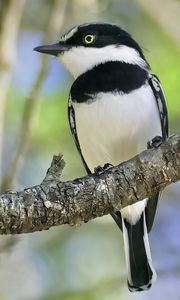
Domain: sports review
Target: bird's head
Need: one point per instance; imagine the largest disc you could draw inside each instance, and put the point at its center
(91, 44)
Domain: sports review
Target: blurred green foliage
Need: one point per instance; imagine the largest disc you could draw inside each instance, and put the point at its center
(68, 254)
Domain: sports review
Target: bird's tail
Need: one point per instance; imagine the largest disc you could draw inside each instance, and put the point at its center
(141, 273)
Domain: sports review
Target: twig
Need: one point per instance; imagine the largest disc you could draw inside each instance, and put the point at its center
(54, 202)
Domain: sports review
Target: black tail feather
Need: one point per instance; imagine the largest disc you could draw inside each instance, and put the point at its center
(141, 274)
(140, 270)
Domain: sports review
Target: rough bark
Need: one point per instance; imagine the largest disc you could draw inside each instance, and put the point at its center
(54, 202)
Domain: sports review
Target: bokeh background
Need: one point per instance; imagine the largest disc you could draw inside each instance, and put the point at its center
(86, 262)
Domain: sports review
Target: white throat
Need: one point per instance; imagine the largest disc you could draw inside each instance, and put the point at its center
(81, 59)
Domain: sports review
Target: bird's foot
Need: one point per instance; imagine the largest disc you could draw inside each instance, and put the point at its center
(99, 169)
(155, 142)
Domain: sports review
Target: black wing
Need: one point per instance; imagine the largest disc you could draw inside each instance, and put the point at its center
(163, 114)
(72, 122)
(161, 103)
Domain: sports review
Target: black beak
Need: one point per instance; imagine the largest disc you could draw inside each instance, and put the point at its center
(53, 49)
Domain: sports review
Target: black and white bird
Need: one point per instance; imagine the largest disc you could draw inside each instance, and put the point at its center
(115, 107)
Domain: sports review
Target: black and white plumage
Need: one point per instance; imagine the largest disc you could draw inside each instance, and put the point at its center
(115, 107)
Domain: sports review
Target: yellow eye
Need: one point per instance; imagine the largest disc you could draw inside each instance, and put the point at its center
(89, 39)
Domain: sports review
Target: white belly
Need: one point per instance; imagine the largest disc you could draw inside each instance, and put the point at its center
(116, 127)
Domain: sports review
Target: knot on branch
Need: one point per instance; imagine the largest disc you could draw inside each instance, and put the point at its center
(55, 171)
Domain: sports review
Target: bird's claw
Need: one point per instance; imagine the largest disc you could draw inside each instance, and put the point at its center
(155, 142)
(99, 169)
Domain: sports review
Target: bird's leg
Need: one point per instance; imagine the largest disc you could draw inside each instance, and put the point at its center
(155, 142)
(99, 169)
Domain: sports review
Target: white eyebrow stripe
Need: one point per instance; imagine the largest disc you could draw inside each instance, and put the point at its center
(69, 34)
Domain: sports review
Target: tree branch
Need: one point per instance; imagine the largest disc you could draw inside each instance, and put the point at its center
(54, 202)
